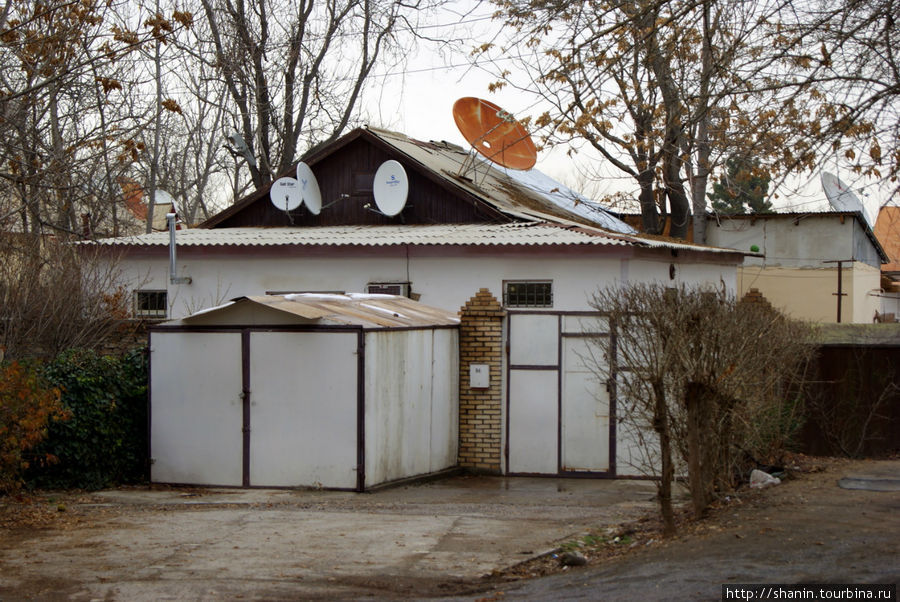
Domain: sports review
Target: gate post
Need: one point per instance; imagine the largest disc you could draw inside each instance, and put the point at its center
(480, 403)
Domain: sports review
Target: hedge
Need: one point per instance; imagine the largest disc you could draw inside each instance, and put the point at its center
(104, 442)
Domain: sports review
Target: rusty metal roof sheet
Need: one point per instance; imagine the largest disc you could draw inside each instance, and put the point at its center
(530, 194)
(510, 234)
(367, 310)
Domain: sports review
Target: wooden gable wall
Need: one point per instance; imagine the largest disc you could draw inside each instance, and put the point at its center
(345, 179)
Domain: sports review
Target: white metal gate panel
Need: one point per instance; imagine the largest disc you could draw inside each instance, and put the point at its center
(585, 410)
(533, 416)
(533, 407)
(303, 409)
(195, 408)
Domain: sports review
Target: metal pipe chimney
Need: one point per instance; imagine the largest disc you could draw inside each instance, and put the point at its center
(173, 279)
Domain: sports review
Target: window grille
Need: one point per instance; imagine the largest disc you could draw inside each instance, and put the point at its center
(150, 304)
(528, 293)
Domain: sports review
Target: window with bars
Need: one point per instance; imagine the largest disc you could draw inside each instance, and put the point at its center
(150, 304)
(528, 293)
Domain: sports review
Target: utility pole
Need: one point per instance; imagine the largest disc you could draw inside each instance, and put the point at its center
(840, 283)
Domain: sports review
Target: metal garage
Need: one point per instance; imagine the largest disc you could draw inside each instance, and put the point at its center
(334, 391)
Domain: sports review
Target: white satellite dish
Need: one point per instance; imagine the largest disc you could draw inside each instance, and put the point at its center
(390, 188)
(285, 194)
(309, 188)
(840, 196)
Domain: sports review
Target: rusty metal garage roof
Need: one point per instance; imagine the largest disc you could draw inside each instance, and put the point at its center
(369, 311)
(510, 234)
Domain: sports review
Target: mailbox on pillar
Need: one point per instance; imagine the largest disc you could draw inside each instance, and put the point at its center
(479, 376)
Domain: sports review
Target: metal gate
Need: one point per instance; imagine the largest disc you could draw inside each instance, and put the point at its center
(261, 408)
(560, 411)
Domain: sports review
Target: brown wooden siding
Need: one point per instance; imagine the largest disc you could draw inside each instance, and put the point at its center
(345, 179)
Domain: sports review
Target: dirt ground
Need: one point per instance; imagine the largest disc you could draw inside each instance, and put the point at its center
(464, 537)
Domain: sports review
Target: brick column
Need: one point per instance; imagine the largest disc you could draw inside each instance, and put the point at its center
(481, 342)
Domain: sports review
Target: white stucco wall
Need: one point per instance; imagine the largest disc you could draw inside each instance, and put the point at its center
(444, 277)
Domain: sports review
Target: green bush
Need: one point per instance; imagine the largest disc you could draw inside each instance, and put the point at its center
(105, 440)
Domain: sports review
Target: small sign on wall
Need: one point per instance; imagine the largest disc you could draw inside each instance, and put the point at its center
(479, 376)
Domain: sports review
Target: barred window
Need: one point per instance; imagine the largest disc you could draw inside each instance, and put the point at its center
(528, 293)
(150, 304)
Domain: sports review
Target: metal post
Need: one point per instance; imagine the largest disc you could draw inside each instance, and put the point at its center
(840, 283)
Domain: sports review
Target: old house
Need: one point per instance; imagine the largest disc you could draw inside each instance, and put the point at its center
(516, 254)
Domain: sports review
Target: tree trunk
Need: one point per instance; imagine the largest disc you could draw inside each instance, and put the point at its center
(649, 210)
(678, 201)
(667, 468)
(699, 181)
(697, 401)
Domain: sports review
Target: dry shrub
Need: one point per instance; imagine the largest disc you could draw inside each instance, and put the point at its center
(55, 296)
(714, 380)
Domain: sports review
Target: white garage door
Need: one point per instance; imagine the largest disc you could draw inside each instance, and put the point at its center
(196, 412)
(303, 409)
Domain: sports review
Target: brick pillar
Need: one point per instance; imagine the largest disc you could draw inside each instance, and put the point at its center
(481, 342)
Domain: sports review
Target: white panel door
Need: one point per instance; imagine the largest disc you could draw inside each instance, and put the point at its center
(196, 414)
(585, 409)
(303, 396)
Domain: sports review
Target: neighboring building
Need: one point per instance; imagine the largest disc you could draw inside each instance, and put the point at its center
(887, 230)
(516, 253)
(805, 260)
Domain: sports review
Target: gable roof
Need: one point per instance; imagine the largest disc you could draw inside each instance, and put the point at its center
(506, 195)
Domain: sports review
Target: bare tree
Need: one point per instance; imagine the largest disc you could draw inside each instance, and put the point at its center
(666, 90)
(294, 72)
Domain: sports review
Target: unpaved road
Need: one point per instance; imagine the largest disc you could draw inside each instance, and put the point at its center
(808, 530)
(439, 539)
(429, 539)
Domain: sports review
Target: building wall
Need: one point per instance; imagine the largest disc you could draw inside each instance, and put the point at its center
(809, 293)
(443, 277)
(794, 241)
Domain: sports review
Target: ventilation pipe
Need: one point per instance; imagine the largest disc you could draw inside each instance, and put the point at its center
(170, 218)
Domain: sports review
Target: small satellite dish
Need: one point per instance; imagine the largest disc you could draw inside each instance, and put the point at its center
(309, 188)
(390, 188)
(494, 133)
(285, 194)
(840, 196)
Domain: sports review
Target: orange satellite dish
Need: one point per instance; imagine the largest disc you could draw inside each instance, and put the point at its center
(494, 133)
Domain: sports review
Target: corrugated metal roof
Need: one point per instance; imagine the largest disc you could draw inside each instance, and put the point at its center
(511, 234)
(366, 310)
(530, 194)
